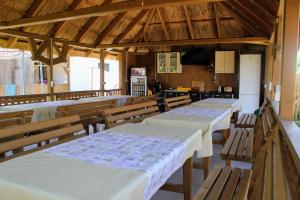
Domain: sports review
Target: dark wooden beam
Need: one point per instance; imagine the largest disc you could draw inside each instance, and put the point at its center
(189, 21)
(252, 15)
(124, 6)
(131, 25)
(252, 28)
(34, 8)
(143, 30)
(107, 30)
(269, 6)
(57, 27)
(218, 24)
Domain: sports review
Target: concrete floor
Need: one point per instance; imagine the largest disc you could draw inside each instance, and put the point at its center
(197, 176)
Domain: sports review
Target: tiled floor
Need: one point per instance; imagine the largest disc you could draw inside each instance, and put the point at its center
(197, 177)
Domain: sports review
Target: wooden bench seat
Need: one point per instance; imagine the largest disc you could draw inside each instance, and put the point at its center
(239, 145)
(175, 102)
(246, 120)
(58, 130)
(225, 183)
(244, 143)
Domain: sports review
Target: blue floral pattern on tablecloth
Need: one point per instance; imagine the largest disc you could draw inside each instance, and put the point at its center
(158, 157)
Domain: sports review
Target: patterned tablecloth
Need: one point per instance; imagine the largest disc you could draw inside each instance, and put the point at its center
(129, 162)
(121, 99)
(234, 104)
(41, 111)
(204, 118)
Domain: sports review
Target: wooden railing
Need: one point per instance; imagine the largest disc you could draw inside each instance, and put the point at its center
(35, 98)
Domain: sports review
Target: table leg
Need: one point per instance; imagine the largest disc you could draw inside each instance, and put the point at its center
(206, 165)
(187, 179)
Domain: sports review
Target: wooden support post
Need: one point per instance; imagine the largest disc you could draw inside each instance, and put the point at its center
(122, 73)
(50, 81)
(102, 69)
(289, 59)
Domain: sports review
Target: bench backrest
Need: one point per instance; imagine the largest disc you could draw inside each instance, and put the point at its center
(130, 114)
(15, 118)
(140, 99)
(86, 111)
(174, 102)
(268, 179)
(22, 99)
(16, 138)
(75, 95)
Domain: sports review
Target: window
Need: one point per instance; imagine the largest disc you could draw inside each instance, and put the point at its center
(111, 76)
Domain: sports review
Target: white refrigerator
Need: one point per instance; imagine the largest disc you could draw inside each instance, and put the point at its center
(250, 76)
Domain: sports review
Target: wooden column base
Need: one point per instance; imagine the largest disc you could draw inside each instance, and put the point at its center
(186, 188)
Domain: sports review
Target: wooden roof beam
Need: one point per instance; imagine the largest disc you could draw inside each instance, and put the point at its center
(107, 30)
(131, 25)
(165, 28)
(59, 25)
(190, 23)
(144, 29)
(124, 6)
(251, 15)
(252, 28)
(218, 24)
(244, 40)
(12, 42)
(269, 6)
(89, 24)
(34, 8)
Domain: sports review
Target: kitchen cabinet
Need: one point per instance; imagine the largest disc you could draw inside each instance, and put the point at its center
(224, 62)
(168, 62)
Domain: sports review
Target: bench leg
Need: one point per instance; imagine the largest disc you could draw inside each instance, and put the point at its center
(187, 179)
(206, 165)
(228, 162)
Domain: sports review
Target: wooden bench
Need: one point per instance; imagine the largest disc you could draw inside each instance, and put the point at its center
(61, 130)
(246, 120)
(140, 99)
(15, 118)
(22, 99)
(266, 180)
(243, 144)
(75, 95)
(175, 102)
(130, 114)
(89, 113)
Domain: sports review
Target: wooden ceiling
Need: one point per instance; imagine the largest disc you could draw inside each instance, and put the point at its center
(130, 25)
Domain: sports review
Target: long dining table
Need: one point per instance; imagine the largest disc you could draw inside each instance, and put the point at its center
(121, 99)
(207, 119)
(233, 104)
(128, 162)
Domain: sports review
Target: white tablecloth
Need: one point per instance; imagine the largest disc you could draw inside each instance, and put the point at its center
(203, 118)
(121, 99)
(233, 104)
(129, 162)
(41, 111)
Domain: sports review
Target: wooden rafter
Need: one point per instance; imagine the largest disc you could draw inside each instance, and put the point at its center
(124, 6)
(218, 24)
(59, 25)
(131, 25)
(34, 8)
(251, 15)
(269, 6)
(107, 30)
(12, 42)
(252, 28)
(89, 24)
(144, 29)
(250, 40)
(189, 21)
(165, 28)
